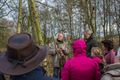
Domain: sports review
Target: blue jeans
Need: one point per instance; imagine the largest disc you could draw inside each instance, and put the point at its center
(56, 72)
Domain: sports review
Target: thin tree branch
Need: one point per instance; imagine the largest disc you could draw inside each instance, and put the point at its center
(6, 14)
(3, 4)
(45, 4)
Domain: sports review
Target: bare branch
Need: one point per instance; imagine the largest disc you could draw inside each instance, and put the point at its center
(3, 4)
(6, 14)
(45, 4)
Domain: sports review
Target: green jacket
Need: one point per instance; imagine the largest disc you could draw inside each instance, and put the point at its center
(58, 59)
(91, 42)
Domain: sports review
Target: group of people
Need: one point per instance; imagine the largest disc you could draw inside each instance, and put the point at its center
(80, 59)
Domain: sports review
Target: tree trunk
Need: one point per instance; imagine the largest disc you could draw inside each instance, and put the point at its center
(69, 10)
(32, 24)
(104, 11)
(35, 22)
(19, 23)
(29, 24)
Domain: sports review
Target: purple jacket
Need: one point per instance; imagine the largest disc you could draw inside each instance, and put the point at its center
(110, 57)
(80, 67)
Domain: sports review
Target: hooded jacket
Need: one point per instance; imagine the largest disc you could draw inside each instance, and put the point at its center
(80, 67)
(100, 62)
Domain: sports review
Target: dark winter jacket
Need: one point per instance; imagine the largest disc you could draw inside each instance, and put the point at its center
(37, 74)
(1, 76)
(91, 42)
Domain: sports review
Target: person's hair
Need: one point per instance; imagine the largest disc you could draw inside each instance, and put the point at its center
(97, 51)
(108, 44)
(88, 32)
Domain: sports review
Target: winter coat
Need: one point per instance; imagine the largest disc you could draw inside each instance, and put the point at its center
(37, 74)
(80, 67)
(91, 42)
(2, 76)
(100, 62)
(58, 59)
(110, 57)
(97, 59)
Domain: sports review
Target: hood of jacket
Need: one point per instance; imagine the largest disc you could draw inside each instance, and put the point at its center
(79, 47)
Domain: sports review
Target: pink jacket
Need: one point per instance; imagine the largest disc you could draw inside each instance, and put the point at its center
(98, 60)
(80, 67)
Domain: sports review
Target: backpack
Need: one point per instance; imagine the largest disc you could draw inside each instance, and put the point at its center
(112, 73)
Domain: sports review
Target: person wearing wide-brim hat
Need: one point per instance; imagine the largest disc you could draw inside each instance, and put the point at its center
(22, 58)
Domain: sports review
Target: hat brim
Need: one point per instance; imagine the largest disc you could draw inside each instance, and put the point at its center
(7, 67)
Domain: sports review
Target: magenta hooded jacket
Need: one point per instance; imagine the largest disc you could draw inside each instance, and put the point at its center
(80, 67)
